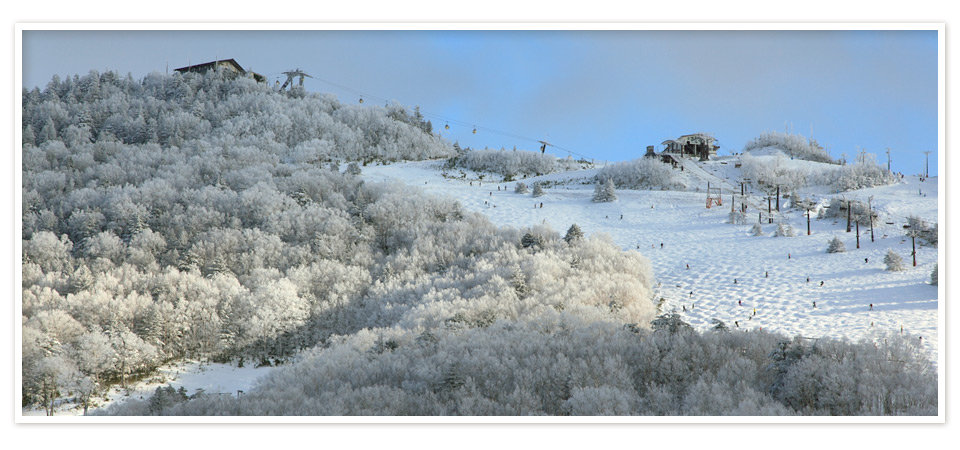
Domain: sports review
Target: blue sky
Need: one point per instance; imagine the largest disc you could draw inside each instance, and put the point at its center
(600, 94)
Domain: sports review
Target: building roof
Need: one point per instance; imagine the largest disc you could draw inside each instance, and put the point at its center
(209, 65)
(701, 135)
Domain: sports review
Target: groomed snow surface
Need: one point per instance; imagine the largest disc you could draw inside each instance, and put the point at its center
(748, 282)
(732, 272)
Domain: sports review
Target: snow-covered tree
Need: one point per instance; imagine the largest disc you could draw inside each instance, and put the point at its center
(933, 275)
(132, 354)
(531, 240)
(55, 375)
(48, 251)
(521, 188)
(757, 229)
(784, 229)
(737, 217)
(642, 173)
(893, 261)
(836, 245)
(519, 282)
(537, 190)
(922, 229)
(719, 325)
(794, 145)
(604, 191)
(353, 168)
(573, 235)
(671, 322)
(512, 163)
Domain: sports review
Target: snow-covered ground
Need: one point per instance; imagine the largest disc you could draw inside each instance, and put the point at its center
(212, 378)
(733, 273)
(748, 282)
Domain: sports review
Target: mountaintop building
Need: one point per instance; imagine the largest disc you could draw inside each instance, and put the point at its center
(229, 65)
(697, 145)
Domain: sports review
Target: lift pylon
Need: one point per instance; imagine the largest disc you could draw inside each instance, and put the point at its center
(295, 73)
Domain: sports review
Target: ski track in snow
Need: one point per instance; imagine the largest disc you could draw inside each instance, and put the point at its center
(767, 280)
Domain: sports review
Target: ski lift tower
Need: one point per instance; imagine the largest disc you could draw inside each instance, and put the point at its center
(543, 148)
(294, 73)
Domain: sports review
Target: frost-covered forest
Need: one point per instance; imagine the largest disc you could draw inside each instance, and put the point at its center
(193, 216)
(560, 364)
(794, 145)
(513, 164)
(224, 239)
(770, 170)
(642, 173)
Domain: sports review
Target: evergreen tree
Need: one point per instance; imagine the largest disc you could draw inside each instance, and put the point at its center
(165, 397)
(670, 322)
(574, 234)
(81, 280)
(353, 168)
(519, 282)
(29, 136)
(521, 188)
(893, 261)
(719, 325)
(757, 229)
(531, 240)
(836, 246)
(604, 192)
(48, 132)
(933, 275)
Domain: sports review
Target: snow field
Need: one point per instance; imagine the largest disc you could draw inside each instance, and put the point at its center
(719, 253)
(212, 378)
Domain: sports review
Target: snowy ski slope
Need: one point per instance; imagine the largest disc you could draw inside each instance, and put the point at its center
(733, 273)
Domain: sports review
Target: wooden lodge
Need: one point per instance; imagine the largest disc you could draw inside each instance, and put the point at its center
(226, 65)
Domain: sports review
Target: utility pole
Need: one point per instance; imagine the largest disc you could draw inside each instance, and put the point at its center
(769, 211)
(870, 205)
(778, 198)
(913, 243)
(858, 232)
(888, 159)
(848, 216)
(926, 173)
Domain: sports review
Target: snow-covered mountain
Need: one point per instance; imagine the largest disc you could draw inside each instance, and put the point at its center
(202, 217)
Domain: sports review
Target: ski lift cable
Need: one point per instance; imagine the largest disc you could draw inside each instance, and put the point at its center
(352, 91)
(425, 113)
(569, 151)
(450, 120)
